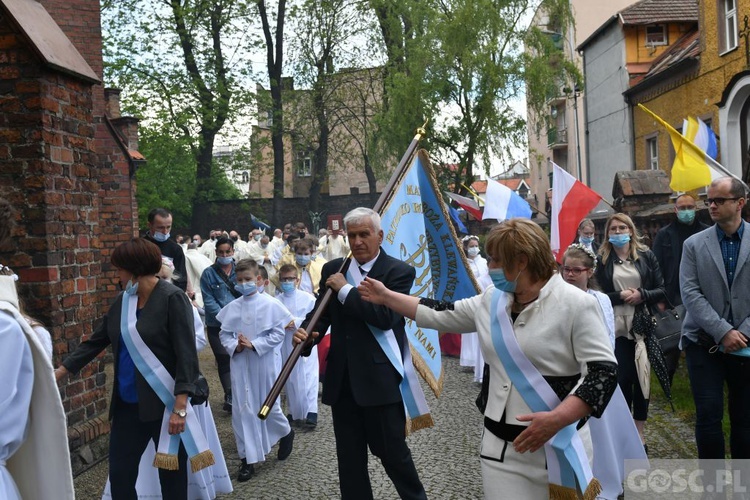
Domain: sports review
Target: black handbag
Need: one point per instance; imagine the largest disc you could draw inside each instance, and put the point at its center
(200, 395)
(484, 393)
(668, 328)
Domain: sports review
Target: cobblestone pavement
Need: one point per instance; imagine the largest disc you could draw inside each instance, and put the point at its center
(446, 456)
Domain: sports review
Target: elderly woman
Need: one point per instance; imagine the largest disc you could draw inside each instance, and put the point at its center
(629, 274)
(551, 364)
(150, 328)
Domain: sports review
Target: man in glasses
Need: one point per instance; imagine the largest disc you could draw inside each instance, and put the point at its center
(668, 250)
(715, 277)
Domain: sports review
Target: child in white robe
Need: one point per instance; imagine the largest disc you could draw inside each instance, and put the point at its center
(252, 326)
(302, 386)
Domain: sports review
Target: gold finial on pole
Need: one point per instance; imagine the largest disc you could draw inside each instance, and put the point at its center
(422, 131)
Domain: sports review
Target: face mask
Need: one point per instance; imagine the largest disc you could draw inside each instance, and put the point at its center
(264, 246)
(234, 238)
(501, 282)
(161, 237)
(619, 240)
(473, 251)
(246, 288)
(287, 286)
(131, 288)
(224, 261)
(686, 216)
(586, 240)
(257, 237)
(303, 260)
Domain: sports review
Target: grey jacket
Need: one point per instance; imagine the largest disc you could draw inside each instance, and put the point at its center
(705, 290)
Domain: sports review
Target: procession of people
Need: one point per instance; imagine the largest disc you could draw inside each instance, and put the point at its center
(552, 343)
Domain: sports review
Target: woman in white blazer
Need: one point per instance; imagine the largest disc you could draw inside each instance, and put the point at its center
(558, 329)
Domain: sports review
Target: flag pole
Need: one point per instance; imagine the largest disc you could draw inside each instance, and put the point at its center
(291, 361)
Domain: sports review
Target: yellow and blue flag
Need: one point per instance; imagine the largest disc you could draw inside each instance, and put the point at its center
(417, 230)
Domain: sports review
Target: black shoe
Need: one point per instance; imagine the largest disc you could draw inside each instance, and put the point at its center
(227, 403)
(246, 471)
(285, 445)
(312, 419)
(645, 448)
(290, 419)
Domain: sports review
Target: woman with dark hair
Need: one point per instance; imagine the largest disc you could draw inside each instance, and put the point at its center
(150, 328)
(629, 274)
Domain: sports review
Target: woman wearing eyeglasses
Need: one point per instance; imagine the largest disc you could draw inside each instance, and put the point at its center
(629, 274)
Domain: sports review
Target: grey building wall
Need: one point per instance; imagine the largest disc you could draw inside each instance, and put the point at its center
(609, 128)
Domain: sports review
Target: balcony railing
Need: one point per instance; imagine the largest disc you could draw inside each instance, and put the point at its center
(557, 138)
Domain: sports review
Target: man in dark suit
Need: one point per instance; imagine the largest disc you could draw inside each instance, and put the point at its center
(159, 228)
(668, 250)
(360, 384)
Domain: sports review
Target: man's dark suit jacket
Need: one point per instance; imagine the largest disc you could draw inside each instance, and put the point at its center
(166, 326)
(174, 251)
(668, 250)
(354, 350)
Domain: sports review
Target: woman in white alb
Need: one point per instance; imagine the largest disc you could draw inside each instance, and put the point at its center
(471, 353)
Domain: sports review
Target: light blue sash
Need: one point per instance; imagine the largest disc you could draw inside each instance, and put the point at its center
(162, 383)
(567, 463)
(417, 411)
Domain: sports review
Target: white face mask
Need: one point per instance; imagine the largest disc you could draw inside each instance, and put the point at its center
(473, 251)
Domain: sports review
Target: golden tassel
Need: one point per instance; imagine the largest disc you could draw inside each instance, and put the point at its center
(422, 422)
(559, 492)
(166, 461)
(202, 460)
(593, 490)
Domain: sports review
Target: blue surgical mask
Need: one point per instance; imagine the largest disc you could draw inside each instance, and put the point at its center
(619, 240)
(303, 260)
(224, 261)
(287, 286)
(586, 240)
(247, 288)
(501, 282)
(131, 288)
(686, 216)
(257, 237)
(161, 237)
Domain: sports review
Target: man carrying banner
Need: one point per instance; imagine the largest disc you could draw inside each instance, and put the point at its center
(367, 380)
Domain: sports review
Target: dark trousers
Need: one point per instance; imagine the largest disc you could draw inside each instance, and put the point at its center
(382, 429)
(627, 378)
(222, 358)
(127, 441)
(708, 372)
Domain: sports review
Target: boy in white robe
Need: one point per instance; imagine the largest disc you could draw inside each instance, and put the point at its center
(302, 386)
(251, 328)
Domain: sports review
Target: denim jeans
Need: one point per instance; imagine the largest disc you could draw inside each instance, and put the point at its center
(708, 372)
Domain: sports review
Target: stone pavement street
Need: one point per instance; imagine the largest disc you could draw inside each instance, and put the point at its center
(446, 456)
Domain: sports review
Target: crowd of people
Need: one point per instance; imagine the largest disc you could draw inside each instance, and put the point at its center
(565, 375)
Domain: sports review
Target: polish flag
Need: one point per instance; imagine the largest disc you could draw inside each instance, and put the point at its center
(467, 204)
(571, 202)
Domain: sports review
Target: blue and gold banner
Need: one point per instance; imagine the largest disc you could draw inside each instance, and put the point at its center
(418, 231)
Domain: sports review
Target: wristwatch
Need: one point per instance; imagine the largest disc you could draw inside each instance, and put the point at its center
(180, 413)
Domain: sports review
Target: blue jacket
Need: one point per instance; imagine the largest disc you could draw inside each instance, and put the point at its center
(216, 293)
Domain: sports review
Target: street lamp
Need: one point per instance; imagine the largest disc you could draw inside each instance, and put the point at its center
(576, 91)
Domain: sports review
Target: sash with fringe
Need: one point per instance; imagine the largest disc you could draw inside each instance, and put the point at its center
(417, 412)
(567, 463)
(162, 384)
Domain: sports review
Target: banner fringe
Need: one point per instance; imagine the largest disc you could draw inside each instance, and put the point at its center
(424, 371)
(202, 460)
(559, 492)
(166, 461)
(421, 422)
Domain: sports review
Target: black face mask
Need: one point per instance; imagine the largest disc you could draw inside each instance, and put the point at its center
(235, 238)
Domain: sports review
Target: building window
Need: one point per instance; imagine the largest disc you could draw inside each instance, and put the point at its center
(656, 34)
(245, 177)
(727, 15)
(652, 153)
(304, 164)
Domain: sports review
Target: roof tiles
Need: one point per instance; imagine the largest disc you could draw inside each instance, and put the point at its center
(660, 11)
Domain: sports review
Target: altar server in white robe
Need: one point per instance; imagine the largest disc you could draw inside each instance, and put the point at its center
(471, 352)
(302, 386)
(252, 326)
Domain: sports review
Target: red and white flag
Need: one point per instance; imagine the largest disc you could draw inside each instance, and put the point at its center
(467, 204)
(571, 202)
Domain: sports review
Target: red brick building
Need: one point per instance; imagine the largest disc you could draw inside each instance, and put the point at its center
(67, 160)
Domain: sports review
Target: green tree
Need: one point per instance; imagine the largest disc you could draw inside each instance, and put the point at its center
(179, 64)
